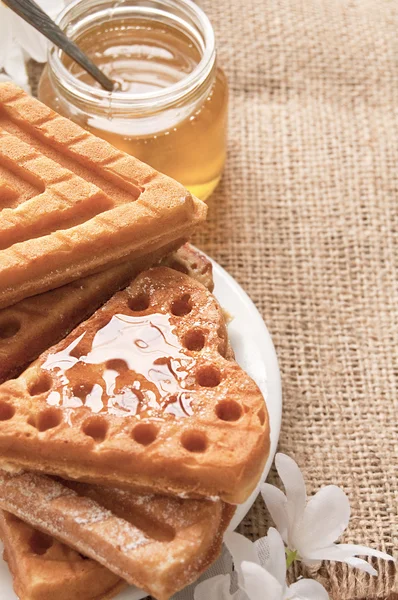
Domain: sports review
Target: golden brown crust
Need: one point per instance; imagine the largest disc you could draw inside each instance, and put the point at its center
(59, 572)
(218, 449)
(157, 543)
(82, 205)
(192, 262)
(45, 569)
(34, 324)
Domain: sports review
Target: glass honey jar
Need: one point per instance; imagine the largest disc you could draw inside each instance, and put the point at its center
(169, 105)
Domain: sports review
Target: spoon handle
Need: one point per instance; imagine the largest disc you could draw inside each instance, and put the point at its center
(35, 16)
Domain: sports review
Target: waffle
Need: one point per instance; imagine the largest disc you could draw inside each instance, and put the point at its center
(45, 569)
(32, 325)
(141, 396)
(159, 544)
(72, 204)
(192, 262)
(42, 567)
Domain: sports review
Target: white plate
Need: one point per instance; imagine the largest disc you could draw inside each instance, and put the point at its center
(255, 352)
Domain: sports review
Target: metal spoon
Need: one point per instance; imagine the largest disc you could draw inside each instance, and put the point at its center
(35, 16)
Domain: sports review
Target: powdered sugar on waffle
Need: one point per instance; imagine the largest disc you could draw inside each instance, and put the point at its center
(96, 514)
(50, 489)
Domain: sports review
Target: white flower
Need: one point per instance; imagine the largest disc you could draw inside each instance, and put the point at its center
(215, 588)
(33, 42)
(14, 64)
(309, 527)
(19, 40)
(261, 572)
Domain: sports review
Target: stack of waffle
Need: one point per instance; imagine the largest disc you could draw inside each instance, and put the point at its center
(126, 443)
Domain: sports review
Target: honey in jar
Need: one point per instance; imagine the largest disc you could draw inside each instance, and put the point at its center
(169, 105)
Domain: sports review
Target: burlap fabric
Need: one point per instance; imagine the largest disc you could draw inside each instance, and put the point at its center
(306, 219)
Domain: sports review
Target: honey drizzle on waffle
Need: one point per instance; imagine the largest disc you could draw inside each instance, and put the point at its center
(144, 369)
(219, 450)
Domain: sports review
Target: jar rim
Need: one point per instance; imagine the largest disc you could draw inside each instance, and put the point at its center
(160, 98)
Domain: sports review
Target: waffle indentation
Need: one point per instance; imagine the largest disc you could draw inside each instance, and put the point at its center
(15, 189)
(181, 306)
(66, 201)
(48, 419)
(9, 326)
(139, 303)
(145, 433)
(208, 376)
(194, 340)
(194, 441)
(229, 410)
(96, 428)
(67, 145)
(7, 411)
(40, 385)
(39, 542)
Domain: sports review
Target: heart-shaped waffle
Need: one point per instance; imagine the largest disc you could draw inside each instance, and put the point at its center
(143, 395)
(42, 567)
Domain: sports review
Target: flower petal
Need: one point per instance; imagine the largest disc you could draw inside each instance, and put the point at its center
(341, 552)
(365, 551)
(275, 563)
(241, 549)
(256, 580)
(215, 588)
(306, 589)
(325, 518)
(15, 65)
(276, 503)
(33, 42)
(361, 564)
(293, 481)
(5, 33)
